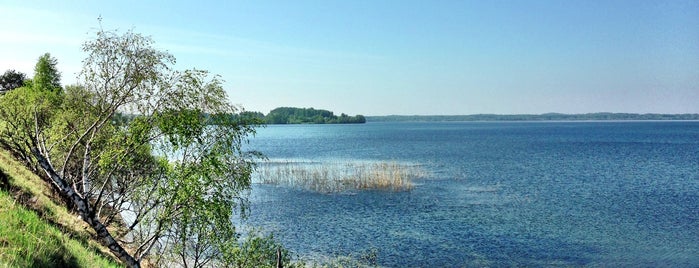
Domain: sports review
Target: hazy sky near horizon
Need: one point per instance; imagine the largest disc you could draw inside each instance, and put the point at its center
(397, 57)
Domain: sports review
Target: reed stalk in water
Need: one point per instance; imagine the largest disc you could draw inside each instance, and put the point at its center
(338, 177)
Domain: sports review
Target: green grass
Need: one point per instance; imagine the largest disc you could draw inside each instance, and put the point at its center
(36, 194)
(27, 240)
(35, 231)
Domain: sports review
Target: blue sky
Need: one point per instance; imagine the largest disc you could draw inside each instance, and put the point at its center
(397, 57)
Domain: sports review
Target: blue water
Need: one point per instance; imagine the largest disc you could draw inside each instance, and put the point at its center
(498, 194)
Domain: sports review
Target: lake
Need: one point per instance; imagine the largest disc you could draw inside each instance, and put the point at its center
(495, 194)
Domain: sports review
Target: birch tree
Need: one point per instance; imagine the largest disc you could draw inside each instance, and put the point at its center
(149, 157)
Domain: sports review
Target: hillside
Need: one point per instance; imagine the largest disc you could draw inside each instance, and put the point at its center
(35, 230)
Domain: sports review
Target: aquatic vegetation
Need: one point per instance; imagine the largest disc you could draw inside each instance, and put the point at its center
(338, 177)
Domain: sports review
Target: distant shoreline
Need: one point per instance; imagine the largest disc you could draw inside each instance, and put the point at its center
(534, 117)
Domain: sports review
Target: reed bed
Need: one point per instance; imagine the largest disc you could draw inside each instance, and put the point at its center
(338, 177)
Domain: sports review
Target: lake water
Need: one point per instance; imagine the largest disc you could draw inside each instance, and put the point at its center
(497, 194)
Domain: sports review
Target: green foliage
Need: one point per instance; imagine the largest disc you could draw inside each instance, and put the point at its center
(288, 115)
(257, 117)
(46, 75)
(256, 250)
(24, 112)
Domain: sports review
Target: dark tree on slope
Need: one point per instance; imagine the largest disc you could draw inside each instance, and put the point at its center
(170, 176)
(11, 79)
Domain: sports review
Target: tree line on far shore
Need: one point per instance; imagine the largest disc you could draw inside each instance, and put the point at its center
(290, 115)
(533, 117)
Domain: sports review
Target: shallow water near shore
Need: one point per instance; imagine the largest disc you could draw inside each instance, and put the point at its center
(496, 194)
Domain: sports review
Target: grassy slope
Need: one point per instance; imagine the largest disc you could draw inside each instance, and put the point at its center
(37, 232)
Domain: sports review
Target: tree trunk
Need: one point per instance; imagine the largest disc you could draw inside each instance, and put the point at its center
(105, 238)
(279, 258)
(108, 241)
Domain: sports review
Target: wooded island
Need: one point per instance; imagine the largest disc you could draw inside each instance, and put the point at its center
(290, 115)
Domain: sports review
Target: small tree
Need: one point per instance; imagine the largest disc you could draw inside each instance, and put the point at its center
(153, 152)
(46, 75)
